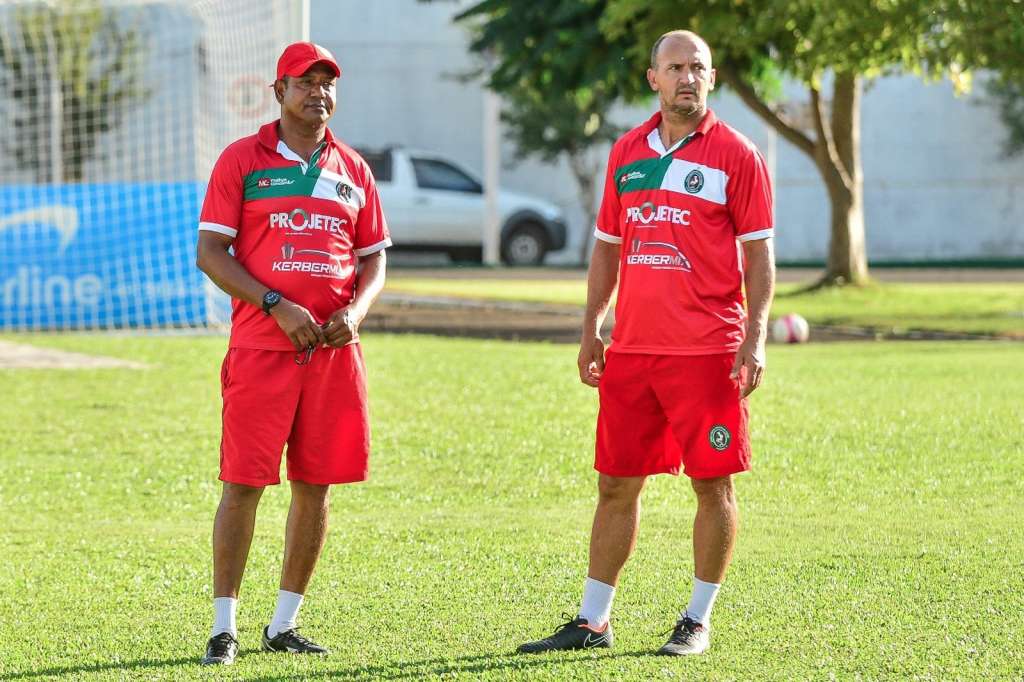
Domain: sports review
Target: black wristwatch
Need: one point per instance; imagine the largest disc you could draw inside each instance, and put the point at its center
(270, 299)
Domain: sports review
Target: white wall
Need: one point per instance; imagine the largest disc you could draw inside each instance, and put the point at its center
(935, 185)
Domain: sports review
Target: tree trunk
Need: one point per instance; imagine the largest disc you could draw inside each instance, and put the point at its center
(844, 178)
(847, 262)
(836, 152)
(585, 175)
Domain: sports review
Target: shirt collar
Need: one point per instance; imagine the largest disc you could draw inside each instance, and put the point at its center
(654, 139)
(269, 138)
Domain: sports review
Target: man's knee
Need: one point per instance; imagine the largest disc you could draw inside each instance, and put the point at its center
(311, 494)
(238, 496)
(716, 491)
(620, 490)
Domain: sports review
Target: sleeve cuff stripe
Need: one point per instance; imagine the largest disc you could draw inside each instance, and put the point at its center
(217, 227)
(760, 234)
(367, 250)
(605, 237)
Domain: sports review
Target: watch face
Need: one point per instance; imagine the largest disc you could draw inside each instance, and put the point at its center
(270, 299)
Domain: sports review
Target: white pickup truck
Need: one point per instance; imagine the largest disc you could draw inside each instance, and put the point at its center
(433, 204)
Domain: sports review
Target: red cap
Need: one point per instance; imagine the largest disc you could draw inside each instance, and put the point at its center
(298, 57)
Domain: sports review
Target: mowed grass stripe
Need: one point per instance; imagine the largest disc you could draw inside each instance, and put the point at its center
(880, 527)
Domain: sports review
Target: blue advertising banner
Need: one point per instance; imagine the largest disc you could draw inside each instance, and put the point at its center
(101, 256)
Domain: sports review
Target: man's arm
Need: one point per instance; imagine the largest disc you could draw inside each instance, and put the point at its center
(759, 281)
(213, 258)
(602, 277)
(343, 326)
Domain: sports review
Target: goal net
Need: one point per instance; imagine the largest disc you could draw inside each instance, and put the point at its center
(114, 112)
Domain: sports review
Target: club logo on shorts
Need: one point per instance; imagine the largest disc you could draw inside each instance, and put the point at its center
(344, 190)
(694, 181)
(719, 437)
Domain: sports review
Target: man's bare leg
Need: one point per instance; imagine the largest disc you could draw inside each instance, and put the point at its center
(305, 534)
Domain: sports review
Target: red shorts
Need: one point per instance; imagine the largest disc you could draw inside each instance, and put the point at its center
(662, 411)
(318, 410)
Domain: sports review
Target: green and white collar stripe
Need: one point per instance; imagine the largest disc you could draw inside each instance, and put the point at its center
(672, 175)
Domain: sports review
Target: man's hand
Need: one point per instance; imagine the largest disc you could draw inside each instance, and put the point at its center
(343, 326)
(591, 360)
(750, 355)
(298, 324)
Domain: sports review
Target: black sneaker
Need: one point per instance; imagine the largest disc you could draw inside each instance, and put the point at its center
(576, 634)
(688, 638)
(290, 641)
(220, 650)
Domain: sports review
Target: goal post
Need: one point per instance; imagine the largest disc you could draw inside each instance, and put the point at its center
(115, 112)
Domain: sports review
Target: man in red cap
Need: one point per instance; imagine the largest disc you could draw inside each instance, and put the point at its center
(301, 212)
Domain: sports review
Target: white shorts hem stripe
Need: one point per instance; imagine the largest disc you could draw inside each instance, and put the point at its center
(752, 236)
(605, 237)
(367, 250)
(217, 227)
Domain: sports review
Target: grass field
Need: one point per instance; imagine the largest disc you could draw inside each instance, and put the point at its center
(989, 308)
(880, 539)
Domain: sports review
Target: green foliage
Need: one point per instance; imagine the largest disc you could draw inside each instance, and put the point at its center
(878, 514)
(98, 64)
(552, 46)
(1008, 98)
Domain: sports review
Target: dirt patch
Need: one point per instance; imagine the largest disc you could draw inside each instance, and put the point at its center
(20, 356)
(401, 313)
(784, 274)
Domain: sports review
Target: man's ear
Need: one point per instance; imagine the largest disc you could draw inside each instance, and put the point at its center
(279, 86)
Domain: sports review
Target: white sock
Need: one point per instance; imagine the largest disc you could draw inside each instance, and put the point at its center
(597, 602)
(224, 609)
(701, 601)
(288, 604)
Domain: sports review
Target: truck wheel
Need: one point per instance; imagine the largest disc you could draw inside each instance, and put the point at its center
(525, 244)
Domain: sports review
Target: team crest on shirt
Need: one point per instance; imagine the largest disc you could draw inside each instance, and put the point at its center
(344, 190)
(719, 437)
(694, 181)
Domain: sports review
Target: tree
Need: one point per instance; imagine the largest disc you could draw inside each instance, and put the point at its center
(572, 124)
(998, 39)
(1008, 98)
(550, 111)
(830, 46)
(70, 72)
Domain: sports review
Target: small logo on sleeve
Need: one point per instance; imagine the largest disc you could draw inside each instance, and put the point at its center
(344, 190)
(263, 183)
(719, 437)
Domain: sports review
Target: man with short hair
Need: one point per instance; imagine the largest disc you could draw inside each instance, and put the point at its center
(301, 212)
(685, 222)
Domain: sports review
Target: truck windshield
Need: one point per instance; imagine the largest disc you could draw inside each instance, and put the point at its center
(436, 174)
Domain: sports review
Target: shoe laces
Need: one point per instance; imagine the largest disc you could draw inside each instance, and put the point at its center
(570, 621)
(684, 629)
(294, 636)
(219, 644)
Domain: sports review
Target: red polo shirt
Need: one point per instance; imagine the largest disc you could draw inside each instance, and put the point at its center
(298, 228)
(679, 214)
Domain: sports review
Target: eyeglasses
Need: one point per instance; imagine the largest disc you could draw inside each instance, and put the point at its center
(304, 356)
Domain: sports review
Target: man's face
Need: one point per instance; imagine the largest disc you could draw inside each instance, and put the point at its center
(309, 97)
(683, 76)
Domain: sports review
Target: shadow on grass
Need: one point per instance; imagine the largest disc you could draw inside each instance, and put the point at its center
(399, 670)
(138, 664)
(432, 667)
